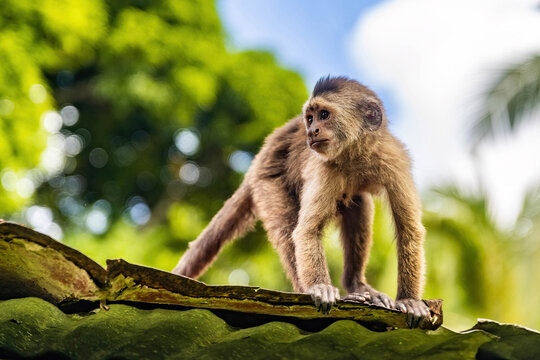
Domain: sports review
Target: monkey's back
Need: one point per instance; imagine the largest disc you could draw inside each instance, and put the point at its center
(281, 159)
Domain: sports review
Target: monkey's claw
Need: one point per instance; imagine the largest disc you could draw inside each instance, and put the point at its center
(358, 297)
(367, 294)
(324, 296)
(417, 312)
(381, 299)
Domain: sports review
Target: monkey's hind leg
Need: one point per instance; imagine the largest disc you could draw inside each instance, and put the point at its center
(235, 218)
(279, 215)
(356, 236)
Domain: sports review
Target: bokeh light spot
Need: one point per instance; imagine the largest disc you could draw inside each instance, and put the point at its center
(240, 161)
(189, 173)
(69, 206)
(57, 181)
(40, 219)
(140, 213)
(239, 277)
(9, 180)
(37, 93)
(25, 188)
(96, 221)
(187, 142)
(52, 160)
(70, 115)
(98, 157)
(52, 121)
(75, 184)
(38, 216)
(73, 145)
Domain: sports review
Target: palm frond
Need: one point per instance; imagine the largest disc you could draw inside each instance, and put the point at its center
(515, 94)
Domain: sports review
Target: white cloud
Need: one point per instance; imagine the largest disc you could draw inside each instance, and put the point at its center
(438, 58)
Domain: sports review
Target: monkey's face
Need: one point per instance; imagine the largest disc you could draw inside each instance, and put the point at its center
(320, 121)
(335, 122)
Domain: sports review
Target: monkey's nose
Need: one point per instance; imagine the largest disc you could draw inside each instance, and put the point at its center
(316, 131)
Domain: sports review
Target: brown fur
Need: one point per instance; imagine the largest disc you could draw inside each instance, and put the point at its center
(295, 190)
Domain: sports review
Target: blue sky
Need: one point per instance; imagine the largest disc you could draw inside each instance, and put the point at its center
(312, 38)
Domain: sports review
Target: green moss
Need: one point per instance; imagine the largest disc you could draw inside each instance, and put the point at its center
(515, 342)
(32, 327)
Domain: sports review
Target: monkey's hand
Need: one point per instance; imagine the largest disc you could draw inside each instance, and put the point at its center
(367, 294)
(417, 312)
(324, 296)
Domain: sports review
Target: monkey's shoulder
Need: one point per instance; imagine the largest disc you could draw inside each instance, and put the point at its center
(282, 153)
(292, 131)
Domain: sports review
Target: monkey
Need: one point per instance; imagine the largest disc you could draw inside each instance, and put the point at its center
(326, 164)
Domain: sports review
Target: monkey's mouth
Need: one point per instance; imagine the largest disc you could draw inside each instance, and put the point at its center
(317, 144)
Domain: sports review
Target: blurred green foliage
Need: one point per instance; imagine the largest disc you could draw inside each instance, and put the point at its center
(124, 126)
(514, 94)
(497, 269)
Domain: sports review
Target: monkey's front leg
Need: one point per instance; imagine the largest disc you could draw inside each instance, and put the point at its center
(311, 263)
(407, 214)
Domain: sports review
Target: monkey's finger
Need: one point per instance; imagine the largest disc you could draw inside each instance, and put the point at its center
(416, 319)
(367, 296)
(410, 320)
(316, 296)
(355, 297)
(401, 306)
(349, 297)
(331, 300)
(377, 301)
(386, 302)
(333, 296)
(325, 300)
(421, 313)
(410, 316)
(336, 294)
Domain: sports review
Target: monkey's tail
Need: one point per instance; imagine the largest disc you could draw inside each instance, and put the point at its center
(235, 218)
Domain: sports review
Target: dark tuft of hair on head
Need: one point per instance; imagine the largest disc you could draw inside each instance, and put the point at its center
(329, 84)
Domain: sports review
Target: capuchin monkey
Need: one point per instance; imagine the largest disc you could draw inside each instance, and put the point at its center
(326, 164)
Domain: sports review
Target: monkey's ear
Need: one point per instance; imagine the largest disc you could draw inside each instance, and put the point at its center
(371, 114)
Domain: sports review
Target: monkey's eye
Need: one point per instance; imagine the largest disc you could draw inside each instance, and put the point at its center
(324, 114)
(309, 119)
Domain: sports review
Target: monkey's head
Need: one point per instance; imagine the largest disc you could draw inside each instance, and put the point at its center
(339, 113)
